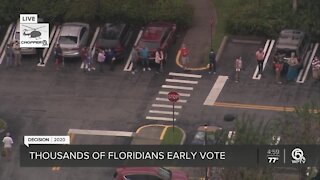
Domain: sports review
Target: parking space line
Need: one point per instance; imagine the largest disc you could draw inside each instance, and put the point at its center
(167, 100)
(163, 112)
(100, 132)
(6, 40)
(253, 106)
(177, 87)
(166, 106)
(128, 66)
(180, 94)
(308, 65)
(216, 90)
(185, 75)
(91, 46)
(51, 46)
(159, 118)
(267, 50)
(181, 81)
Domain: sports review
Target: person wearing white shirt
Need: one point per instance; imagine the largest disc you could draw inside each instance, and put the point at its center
(7, 144)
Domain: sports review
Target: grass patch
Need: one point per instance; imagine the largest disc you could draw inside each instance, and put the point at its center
(223, 8)
(172, 136)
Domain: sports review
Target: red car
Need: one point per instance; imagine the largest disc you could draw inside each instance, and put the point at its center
(148, 173)
(157, 35)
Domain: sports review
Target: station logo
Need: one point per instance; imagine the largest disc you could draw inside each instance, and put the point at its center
(32, 33)
(297, 156)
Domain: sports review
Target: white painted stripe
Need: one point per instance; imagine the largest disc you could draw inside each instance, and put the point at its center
(166, 106)
(52, 45)
(100, 132)
(6, 40)
(185, 75)
(309, 64)
(216, 90)
(92, 47)
(163, 112)
(180, 94)
(264, 62)
(167, 100)
(305, 62)
(128, 66)
(45, 51)
(160, 118)
(177, 87)
(181, 81)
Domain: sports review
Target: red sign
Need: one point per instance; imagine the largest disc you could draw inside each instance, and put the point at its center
(173, 96)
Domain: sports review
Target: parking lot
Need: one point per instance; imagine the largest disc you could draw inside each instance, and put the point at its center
(39, 100)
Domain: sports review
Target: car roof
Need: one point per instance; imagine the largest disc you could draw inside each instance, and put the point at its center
(137, 170)
(155, 31)
(114, 29)
(71, 29)
(290, 39)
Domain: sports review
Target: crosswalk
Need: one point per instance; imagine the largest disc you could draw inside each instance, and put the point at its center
(184, 84)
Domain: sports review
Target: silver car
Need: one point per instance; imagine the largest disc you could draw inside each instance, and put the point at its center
(73, 36)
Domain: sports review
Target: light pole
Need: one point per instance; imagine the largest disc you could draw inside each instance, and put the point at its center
(205, 127)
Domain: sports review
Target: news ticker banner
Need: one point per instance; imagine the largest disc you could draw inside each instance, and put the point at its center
(169, 155)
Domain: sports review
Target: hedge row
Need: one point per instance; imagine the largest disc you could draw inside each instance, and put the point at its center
(131, 11)
(268, 17)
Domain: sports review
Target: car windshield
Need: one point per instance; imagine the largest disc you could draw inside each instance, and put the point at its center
(164, 173)
(68, 40)
(150, 44)
(112, 32)
(285, 52)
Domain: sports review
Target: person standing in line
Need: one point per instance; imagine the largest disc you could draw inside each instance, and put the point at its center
(158, 60)
(101, 59)
(90, 60)
(111, 58)
(17, 54)
(58, 57)
(144, 53)
(277, 68)
(293, 63)
(212, 62)
(238, 66)
(84, 58)
(316, 68)
(260, 58)
(39, 52)
(134, 59)
(9, 55)
(7, 145)
(184, 56)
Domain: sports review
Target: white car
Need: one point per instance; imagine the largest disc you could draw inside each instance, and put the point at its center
(73, 37)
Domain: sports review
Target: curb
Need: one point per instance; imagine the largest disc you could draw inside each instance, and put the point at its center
(149, 125)
(190, 69)
(221, 48)
(165, 127)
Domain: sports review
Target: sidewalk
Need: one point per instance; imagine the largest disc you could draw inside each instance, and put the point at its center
(198, 37)
(151, 135)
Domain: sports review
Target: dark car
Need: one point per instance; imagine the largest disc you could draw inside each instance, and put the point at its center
(116, 37)
(148, 173)
(207, 136)
(157, 35)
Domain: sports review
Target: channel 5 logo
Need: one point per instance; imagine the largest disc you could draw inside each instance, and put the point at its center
(298, 156)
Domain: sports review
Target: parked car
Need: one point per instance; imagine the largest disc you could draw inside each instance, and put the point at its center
(291, 41)
(157, 35)
(16, 37)
(148, 173)
(211, 133)
(72, 38)
(115, 36)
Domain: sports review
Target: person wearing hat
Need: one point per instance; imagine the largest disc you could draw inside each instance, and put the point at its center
(9, 55)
